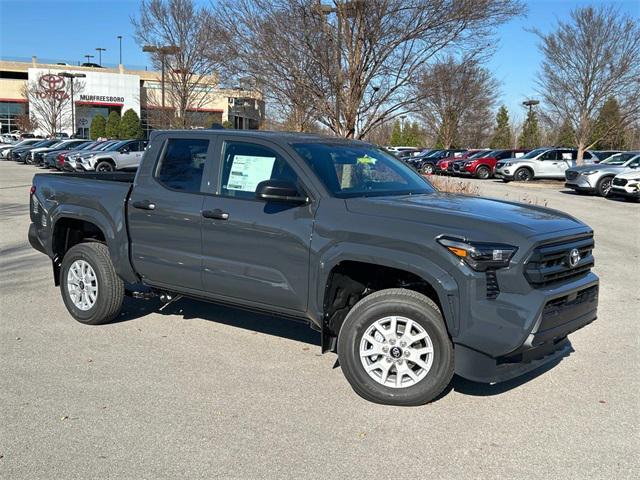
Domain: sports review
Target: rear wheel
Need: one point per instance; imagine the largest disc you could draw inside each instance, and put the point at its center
(523, 175)
(483, 173)
(91, 289)
(604, 186)
(105, 166)
(394, 348)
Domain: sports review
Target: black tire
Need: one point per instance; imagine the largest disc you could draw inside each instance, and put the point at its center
(428, 169)
(483, 173)
(105, 166)
(110, 287)
(603, 186)
(523, 175)
(409, 304)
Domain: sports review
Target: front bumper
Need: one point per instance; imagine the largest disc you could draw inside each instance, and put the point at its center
(580, 183)
(624, 192)
(513, 336)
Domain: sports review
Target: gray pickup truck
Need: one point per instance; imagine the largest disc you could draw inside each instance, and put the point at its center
(408, 285)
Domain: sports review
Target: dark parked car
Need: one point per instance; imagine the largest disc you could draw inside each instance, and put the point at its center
(20, 154)
(429, 162)
(408, 285)
(37, 158)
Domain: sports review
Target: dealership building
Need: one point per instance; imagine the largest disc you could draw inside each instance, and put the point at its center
(100, 91)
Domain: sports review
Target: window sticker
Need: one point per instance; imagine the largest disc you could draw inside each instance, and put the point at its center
(566, 156)
(366, 160)
(247, 171)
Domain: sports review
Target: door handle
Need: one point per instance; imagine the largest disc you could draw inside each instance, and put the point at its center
(216, 214)
(144, 205)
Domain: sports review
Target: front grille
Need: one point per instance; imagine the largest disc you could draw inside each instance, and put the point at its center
(550, 263)
(456, 167)
(620, 182)
(571, 175)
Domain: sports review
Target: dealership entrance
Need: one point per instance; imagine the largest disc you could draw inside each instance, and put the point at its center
(86, 113)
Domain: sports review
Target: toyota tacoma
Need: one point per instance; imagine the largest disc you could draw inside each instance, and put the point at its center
(406, 284)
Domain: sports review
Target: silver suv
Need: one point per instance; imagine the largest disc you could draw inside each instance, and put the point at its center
(597, 178)
(540, 163)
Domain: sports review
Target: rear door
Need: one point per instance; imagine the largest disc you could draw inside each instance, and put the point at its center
(255, 250)
(164, 213)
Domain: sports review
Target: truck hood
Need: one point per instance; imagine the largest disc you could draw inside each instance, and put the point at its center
(449, 213)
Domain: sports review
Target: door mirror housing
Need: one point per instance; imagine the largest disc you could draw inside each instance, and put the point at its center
(279, 191)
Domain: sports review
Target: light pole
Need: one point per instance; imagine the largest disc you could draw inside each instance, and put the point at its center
(71, 77)
(163, 52)
(402, 117)
(120, 41)
(89, 57)
(100, 50)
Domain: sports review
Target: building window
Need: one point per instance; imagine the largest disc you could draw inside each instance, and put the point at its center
(9, 115)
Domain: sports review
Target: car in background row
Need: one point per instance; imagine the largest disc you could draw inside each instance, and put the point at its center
(5, 150)
(428, 164)
(20, 154)
(603, 154)
(36, 156)
(124, 155)
(72, 159)
(597, 178)
(540, 163)
(627, 185)
(442, 165)
(50, 159)
(484, 165)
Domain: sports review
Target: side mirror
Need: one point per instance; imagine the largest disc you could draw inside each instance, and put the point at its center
(279, 191)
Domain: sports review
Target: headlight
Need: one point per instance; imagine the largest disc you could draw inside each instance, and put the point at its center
(507, 164)
(590, 172)
(479, 256)
(468, 164)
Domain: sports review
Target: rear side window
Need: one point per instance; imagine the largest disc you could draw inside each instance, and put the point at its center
(182, 164)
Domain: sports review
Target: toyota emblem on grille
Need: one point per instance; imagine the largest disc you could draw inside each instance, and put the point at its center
(574, 257)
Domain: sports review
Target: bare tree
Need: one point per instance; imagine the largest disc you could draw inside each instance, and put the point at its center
(355, 60)
(191, 70)
(594, 56)
(455, 100)
(49, 97)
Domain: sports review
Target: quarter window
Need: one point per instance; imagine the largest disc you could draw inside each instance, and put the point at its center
(182, 164)
(245, 165)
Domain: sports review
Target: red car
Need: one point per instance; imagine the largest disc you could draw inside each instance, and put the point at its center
(442, 165)
(483, 166)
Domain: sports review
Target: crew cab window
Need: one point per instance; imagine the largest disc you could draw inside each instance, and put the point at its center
(245, 165)
(182, 163)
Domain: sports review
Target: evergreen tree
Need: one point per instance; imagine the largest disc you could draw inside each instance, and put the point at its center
(130, 126)
(530, 136)
(502, 135)
(608, 132)
(113, 124)
(98, 126)
(412, 135)
(396, 134)
(566, 135)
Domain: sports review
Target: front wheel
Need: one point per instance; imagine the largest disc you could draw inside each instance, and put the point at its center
(104, 166)
(428, 169)
(523, 175)
(604, 186)
(91, 289)
(394, 348)
(483, 173)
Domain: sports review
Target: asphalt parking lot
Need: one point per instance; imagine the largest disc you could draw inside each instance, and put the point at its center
(202, 391)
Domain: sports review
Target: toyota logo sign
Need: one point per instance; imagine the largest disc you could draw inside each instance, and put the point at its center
(52, 87)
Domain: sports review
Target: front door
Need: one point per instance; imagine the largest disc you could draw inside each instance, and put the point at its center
(164, 212)
(256, 250)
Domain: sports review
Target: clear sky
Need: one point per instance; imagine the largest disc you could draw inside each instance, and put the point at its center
(65, 30)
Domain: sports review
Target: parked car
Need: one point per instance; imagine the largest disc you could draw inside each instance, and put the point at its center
(408, 285)
(49, 159)
(484, 166)
(36, 156)
(603, 154)
(442, 165)
(428, 164)
(597, 178)
(73, 158)
(20, 154)
(626, 184)
(123, 155)
(9, 138)
(540, 163)
(5, 150)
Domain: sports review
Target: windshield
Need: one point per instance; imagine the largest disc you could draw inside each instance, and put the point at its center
(115, 146)
(619, 158)
(534, 153)
(479, 154)
(354, 170)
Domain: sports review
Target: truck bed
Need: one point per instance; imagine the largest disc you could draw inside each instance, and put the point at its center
(107, 177)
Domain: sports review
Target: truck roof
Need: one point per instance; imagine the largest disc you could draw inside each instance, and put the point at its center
(287, 137)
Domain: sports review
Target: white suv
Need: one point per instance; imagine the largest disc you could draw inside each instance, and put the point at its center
(626, 184)
(540, 163)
